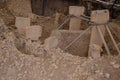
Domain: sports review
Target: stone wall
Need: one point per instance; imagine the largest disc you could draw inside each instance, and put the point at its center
(65, 37)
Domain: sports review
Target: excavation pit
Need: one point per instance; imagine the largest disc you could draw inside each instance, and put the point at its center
(65, 37)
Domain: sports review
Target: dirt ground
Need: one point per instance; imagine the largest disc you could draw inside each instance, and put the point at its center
(53, 65)
(22, 59)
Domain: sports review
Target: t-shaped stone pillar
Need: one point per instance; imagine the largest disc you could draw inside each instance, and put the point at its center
(99, 17)
(75, 24)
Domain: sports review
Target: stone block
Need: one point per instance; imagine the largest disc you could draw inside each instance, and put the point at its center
(51, 43)
(33, 32)
(21, 23)
(75, 24)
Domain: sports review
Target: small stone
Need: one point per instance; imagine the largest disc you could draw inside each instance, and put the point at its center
(90, 58)
(25, 72)
(90, 78)
(55, 66)
(107, 75)
(96, 65)
(2, 78)
(112, 63)
(51, 43)
(116, 66)
(99, 72)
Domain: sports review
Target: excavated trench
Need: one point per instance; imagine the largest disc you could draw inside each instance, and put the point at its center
(21, 59)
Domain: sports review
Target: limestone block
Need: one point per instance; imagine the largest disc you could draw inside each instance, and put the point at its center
(21, 23)
(51, 43)
(75, 24)
(100, 16)
(33, 32)
(76, 10)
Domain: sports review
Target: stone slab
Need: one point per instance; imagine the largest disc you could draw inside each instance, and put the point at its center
(21, 23)
(33, 32)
